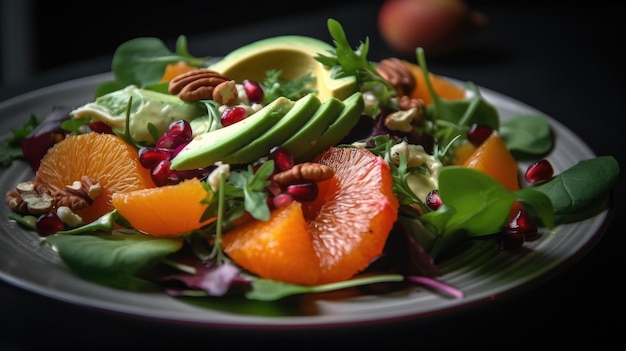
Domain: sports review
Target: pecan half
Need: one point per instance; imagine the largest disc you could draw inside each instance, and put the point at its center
(398, 74)
(307, 171)
(203, 84)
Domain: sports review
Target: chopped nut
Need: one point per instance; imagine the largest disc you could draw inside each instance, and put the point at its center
(307, 171)
(30, 198)
(67, 216)
(79, 194)
(402, 120)
(200, 84)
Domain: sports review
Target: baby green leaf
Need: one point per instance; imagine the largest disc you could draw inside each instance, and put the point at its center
(527, 136)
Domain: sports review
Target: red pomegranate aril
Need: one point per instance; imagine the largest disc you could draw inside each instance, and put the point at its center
(283, 160)
(161, 173)
(49, 224)
(180, 128)
(254, 91)
(149, 157)
(521, 223)
(282, 200)
(100, 127)
(433, 200)
(232, 115)
(303, 191)
(170, 142)
(539, 172)
(478, 133)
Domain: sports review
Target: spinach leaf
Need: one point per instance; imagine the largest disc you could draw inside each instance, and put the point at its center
(581, 190)
(142, 61)
(527, 136)
(112, 259)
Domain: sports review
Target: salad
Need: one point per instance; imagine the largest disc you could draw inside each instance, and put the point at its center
(435, 171)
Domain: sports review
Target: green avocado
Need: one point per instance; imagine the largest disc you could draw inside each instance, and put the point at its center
(294, 56)
(303, 139)
(347, 119)
(299, 114)
(208, 148)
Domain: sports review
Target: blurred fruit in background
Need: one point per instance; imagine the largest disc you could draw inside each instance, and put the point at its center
(441, 27)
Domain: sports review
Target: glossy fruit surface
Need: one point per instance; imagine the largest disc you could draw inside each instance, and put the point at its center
(164, 211)
(331, 238)
(105, 158)
(493, 158)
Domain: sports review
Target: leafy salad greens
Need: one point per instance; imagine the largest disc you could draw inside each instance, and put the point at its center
(474, 204)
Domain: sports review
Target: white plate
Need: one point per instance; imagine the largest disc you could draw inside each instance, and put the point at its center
(483, 272)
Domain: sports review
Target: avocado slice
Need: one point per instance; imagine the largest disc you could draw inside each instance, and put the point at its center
(294, 56)
(307, 136)
(347, 119)
(208, 148)
(147, 107)
(299, 114)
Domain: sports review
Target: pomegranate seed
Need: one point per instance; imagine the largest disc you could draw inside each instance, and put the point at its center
(539, 171)
(161, 173)
(303, 191)
(433, 200)
(170, 142)
(283, 160)
(253, 91)
(478, 133)
(232, 115)
(100, 127)
(48, 224)
(180, 128)
(282, 200)
(522, 223)
(517, 230)
(149, 157)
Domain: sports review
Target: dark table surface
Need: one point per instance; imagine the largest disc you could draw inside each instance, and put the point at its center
(561, 60)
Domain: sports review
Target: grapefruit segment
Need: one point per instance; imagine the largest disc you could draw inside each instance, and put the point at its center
(329, 239)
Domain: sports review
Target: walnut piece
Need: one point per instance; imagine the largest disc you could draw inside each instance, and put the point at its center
(30, 198)
(204, 84)
(79, 194)
(307, 171)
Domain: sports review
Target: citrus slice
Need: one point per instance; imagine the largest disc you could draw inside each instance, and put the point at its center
(442, 86)
(329, 239)
(164, 211)
(493, 158)
(105, 158)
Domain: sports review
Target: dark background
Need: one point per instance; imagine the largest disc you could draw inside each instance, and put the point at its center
(559, 57)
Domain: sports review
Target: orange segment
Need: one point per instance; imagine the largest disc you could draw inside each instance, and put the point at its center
(463, 151)
(444, 88)
(329, 239)
(174, 69)
(493, 158)
(105, 158)
(164, 211)
(279, 249)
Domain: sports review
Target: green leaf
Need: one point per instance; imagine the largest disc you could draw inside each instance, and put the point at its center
(111, 259)
(572, 193)
(271, 290)
(527, 136)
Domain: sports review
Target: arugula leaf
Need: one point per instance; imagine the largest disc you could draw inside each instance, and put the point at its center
(11, 149)
(274, 88)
